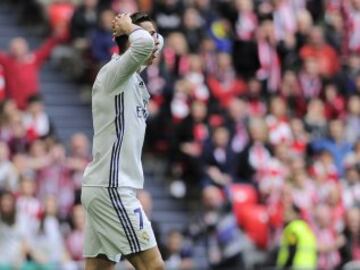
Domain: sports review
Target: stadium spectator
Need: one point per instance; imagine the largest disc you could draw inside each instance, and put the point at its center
(256, 153)
(256, 101)
(351, 186)
(334, 103)
(223, 83)
(101, 40)
(12, 240)
(335, 144)
(349, 74)
(167, 15)
(36, 121)
(193, 28)
(270, 70)
(236, 124)
(59, 14)
(246, 22)
(218, 159)
(28, 207)
(188, 139)
(271, 178)
(22, 66)
(328, 241)
(8, 110)
(303, 191)
(277, 122)
(352, 126)
(177, 255)
(176, 54)
(54, 178)
(224, 240)
(46, 245)
(75, 239)
(350, 251)
(77, 160)
(335, 24)
(309, 79)
(196, 78)
(353, 158)
(83, 22)
(315, 121)
(317, 48)
(8, 174)
(350, 11)
(20, 139)
(300, 136)
(208, 54)
(32, 13)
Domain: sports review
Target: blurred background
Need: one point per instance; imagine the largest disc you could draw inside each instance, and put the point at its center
(252, 154)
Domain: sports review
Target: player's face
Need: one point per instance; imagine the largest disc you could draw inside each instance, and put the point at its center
(150, 27)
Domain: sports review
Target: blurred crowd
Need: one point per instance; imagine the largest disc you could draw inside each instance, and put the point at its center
(255, 108)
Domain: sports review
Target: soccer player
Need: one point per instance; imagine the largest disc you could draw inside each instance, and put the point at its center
(116, 224)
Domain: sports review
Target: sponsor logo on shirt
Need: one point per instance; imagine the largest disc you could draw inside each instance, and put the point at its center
(142, 112)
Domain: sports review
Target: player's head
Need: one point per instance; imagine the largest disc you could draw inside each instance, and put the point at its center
(143, 20)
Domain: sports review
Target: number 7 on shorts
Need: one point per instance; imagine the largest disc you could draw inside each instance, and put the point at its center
(138, 211)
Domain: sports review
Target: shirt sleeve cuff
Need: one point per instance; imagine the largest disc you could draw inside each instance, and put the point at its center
(139, 33)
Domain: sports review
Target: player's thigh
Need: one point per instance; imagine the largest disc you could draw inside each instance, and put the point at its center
(99, 263)
(104, 232)
(147, 260)
(140, 231)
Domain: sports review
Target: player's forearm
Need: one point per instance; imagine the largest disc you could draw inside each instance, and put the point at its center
(141, 43)
(140, 49)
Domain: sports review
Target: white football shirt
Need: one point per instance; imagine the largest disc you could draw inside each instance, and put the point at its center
(119, 109)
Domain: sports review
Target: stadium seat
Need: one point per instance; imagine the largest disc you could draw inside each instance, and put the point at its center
(243, 194)
(254, 220)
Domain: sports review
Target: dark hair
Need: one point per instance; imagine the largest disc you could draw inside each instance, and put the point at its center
(137, 18)
(296, 209)
(8, 218)
(35, 98)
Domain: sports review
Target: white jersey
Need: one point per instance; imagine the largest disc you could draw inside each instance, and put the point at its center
(119, 109)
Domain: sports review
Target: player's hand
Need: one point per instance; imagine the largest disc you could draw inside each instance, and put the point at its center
(122, 25)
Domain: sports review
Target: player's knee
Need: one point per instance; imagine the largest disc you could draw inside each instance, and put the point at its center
(157, 264)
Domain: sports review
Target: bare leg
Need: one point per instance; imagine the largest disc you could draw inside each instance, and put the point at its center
(99, 263)
(147, 260)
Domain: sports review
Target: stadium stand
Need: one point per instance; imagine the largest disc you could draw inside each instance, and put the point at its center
(254, 130)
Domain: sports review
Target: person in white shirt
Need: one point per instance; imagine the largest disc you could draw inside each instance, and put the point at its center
(116, 224)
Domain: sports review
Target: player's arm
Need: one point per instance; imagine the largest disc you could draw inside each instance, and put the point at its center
(140, 49)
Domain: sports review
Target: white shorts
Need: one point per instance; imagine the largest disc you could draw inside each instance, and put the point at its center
(116, 224)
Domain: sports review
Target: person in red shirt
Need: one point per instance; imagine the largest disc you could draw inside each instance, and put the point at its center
(325, 55)
(334, 102)
(21, 67)
(60, 13)
(224, 85)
